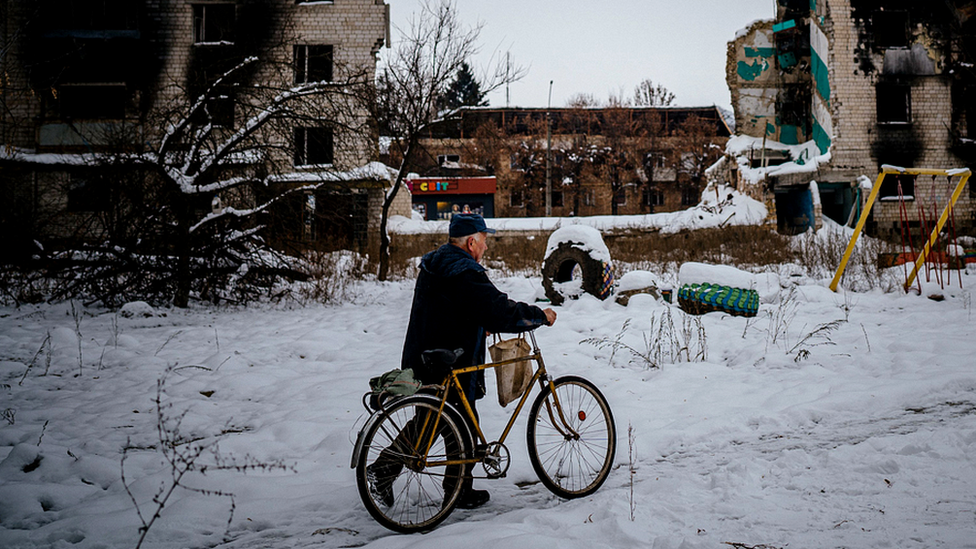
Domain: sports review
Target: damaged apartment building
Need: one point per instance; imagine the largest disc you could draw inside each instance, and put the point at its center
(829, 91)
(595, 160)
(84, 80)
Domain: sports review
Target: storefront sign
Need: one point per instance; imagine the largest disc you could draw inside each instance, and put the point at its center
(452, 185)
(435, 186)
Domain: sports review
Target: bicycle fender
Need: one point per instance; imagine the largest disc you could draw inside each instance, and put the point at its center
(358, 447)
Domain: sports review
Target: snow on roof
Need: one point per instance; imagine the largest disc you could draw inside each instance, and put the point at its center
(721, 205)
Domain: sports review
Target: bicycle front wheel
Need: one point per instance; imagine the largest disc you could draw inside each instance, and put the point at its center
(396, 483)
(571, 452)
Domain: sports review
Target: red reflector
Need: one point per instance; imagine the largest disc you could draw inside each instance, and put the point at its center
(581, 415)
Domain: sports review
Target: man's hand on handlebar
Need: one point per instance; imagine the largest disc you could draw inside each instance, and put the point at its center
(550, 316)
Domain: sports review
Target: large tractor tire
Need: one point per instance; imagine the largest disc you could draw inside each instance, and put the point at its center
(597, 275)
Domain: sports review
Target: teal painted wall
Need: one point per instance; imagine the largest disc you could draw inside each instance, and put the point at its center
(820, 137)
(821, 76)
(749, 72)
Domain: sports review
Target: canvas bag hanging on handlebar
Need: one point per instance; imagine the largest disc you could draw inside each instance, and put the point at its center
(513, 379)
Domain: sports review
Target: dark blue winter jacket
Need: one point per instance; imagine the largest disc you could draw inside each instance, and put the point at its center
(454, 303)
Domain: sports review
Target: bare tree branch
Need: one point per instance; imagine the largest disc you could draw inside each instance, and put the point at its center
(415, 76)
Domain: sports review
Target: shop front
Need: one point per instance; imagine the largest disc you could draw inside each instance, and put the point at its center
(442, 197)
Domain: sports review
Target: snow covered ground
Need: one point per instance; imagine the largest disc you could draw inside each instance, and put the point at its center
(829, 420)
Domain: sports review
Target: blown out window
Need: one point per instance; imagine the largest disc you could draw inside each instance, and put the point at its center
(889, 187)
(894, 103)
(313, 146)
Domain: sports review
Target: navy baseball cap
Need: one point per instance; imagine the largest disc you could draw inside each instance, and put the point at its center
(465, 224)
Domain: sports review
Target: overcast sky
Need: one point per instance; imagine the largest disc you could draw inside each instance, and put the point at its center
(607, 46)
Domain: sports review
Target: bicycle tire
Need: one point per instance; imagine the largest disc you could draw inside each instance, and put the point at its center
(421, 497)
(572, 467)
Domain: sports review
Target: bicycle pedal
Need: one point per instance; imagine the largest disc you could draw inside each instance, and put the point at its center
(480, 451)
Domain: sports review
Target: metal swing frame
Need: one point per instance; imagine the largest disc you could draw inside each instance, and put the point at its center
(963, 175)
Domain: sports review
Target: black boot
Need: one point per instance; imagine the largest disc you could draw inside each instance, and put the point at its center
(472, 499)
(469, 497)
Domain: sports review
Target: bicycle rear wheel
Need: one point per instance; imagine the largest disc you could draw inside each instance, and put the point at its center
(572, 465)
(397, 488)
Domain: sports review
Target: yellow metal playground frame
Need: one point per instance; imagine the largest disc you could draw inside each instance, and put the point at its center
(963, 175)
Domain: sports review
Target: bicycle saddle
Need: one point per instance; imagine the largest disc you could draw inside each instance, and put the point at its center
(441, 357)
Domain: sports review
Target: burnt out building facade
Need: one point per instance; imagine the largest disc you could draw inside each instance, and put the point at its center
(83, 78)
(870, 83)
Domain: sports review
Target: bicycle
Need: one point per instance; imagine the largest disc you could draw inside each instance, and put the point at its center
(422, 444)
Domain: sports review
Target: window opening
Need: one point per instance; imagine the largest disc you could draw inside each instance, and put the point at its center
(448, 158)
(557, 199)
(652, 197)
(889, 187)
(890, 28)
(314, 146)
(213, 23)
(894, 103)
(588, 198)
(313, 63)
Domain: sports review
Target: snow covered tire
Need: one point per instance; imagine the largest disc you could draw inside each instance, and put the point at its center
(558, 268)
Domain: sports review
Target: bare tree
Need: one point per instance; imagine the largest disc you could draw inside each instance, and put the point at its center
(626, 140)
(416, 75)
(648, 94)
(195, 160)
(528, 185)
(582, 100)
(490, 144)
(694, 149)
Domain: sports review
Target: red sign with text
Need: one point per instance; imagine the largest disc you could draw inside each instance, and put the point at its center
(452, 185)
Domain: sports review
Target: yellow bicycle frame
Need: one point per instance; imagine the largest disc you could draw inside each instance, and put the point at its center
(451, 381)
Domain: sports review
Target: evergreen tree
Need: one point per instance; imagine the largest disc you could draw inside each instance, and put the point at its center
(464, 91)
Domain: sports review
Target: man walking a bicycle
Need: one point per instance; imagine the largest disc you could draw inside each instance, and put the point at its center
(415, 454)
(454, 305)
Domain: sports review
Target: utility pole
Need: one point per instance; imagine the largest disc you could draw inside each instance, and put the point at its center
(549, 154)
